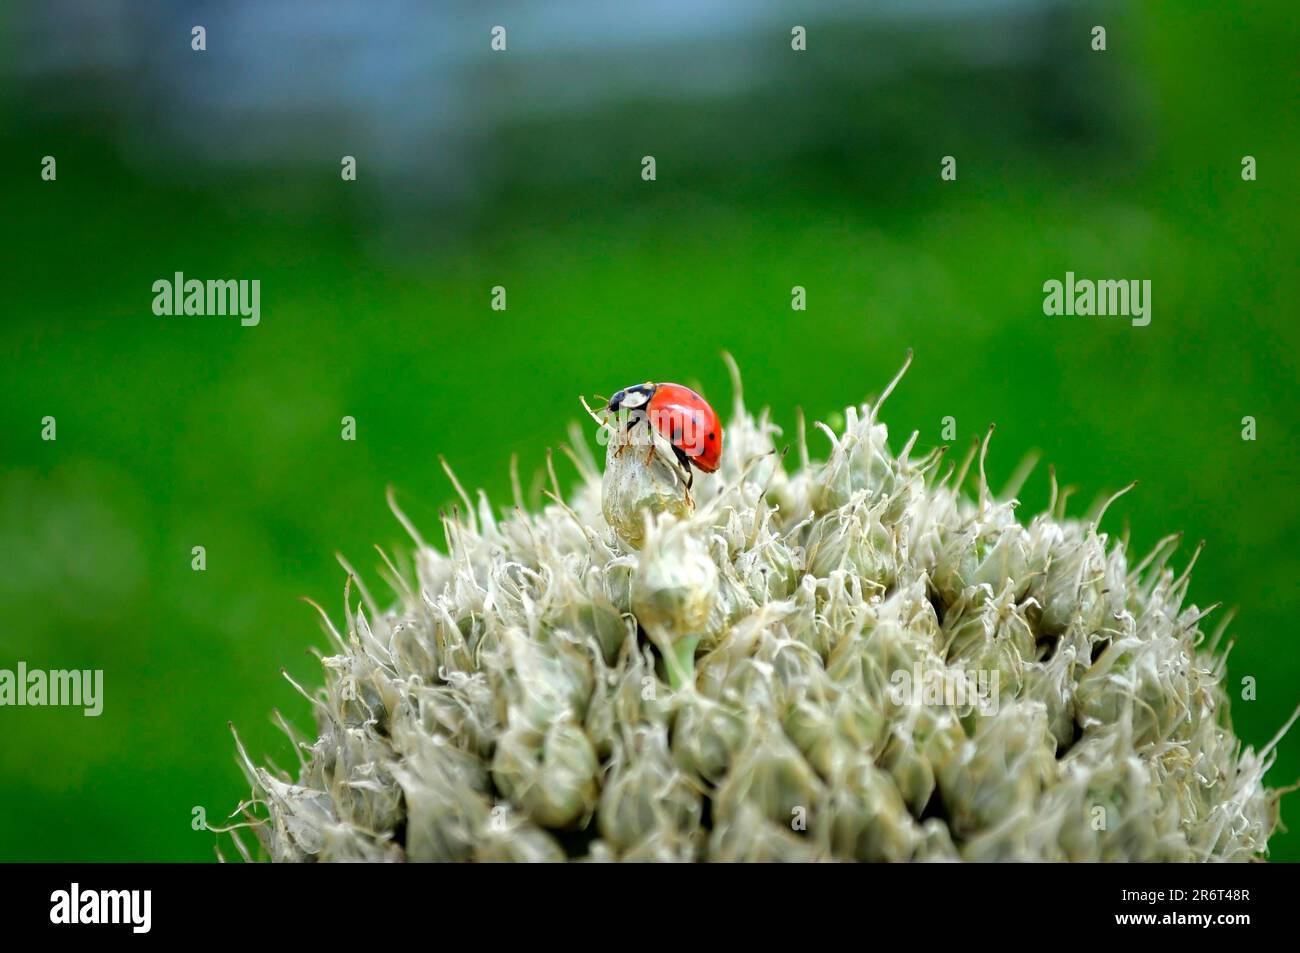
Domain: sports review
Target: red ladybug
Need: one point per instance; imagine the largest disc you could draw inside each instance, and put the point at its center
(681, 416)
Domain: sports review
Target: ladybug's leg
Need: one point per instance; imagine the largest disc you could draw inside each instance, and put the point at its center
(690, 475)
(633, 420)
(685, 461)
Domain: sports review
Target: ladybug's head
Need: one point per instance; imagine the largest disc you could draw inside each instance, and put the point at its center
(631, 398)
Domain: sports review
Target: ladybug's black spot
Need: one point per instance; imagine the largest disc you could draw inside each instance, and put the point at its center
(711, 436)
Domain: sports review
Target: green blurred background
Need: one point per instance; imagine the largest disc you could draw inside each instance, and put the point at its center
(522, 169)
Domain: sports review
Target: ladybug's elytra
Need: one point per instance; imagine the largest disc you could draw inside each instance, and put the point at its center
(681, 416)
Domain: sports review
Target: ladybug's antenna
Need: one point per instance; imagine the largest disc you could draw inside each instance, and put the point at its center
(603, 422)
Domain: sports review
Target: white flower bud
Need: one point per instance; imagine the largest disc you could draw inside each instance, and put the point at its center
(856, 660)
(674, 591)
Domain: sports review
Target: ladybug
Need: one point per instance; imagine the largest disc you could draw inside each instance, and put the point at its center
(681, 416)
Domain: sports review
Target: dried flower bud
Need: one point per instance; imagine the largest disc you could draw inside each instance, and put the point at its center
(639, 482)
(506, 839)
(644, 791)
(551, 774)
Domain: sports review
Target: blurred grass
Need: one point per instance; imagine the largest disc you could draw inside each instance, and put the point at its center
(175, 432)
